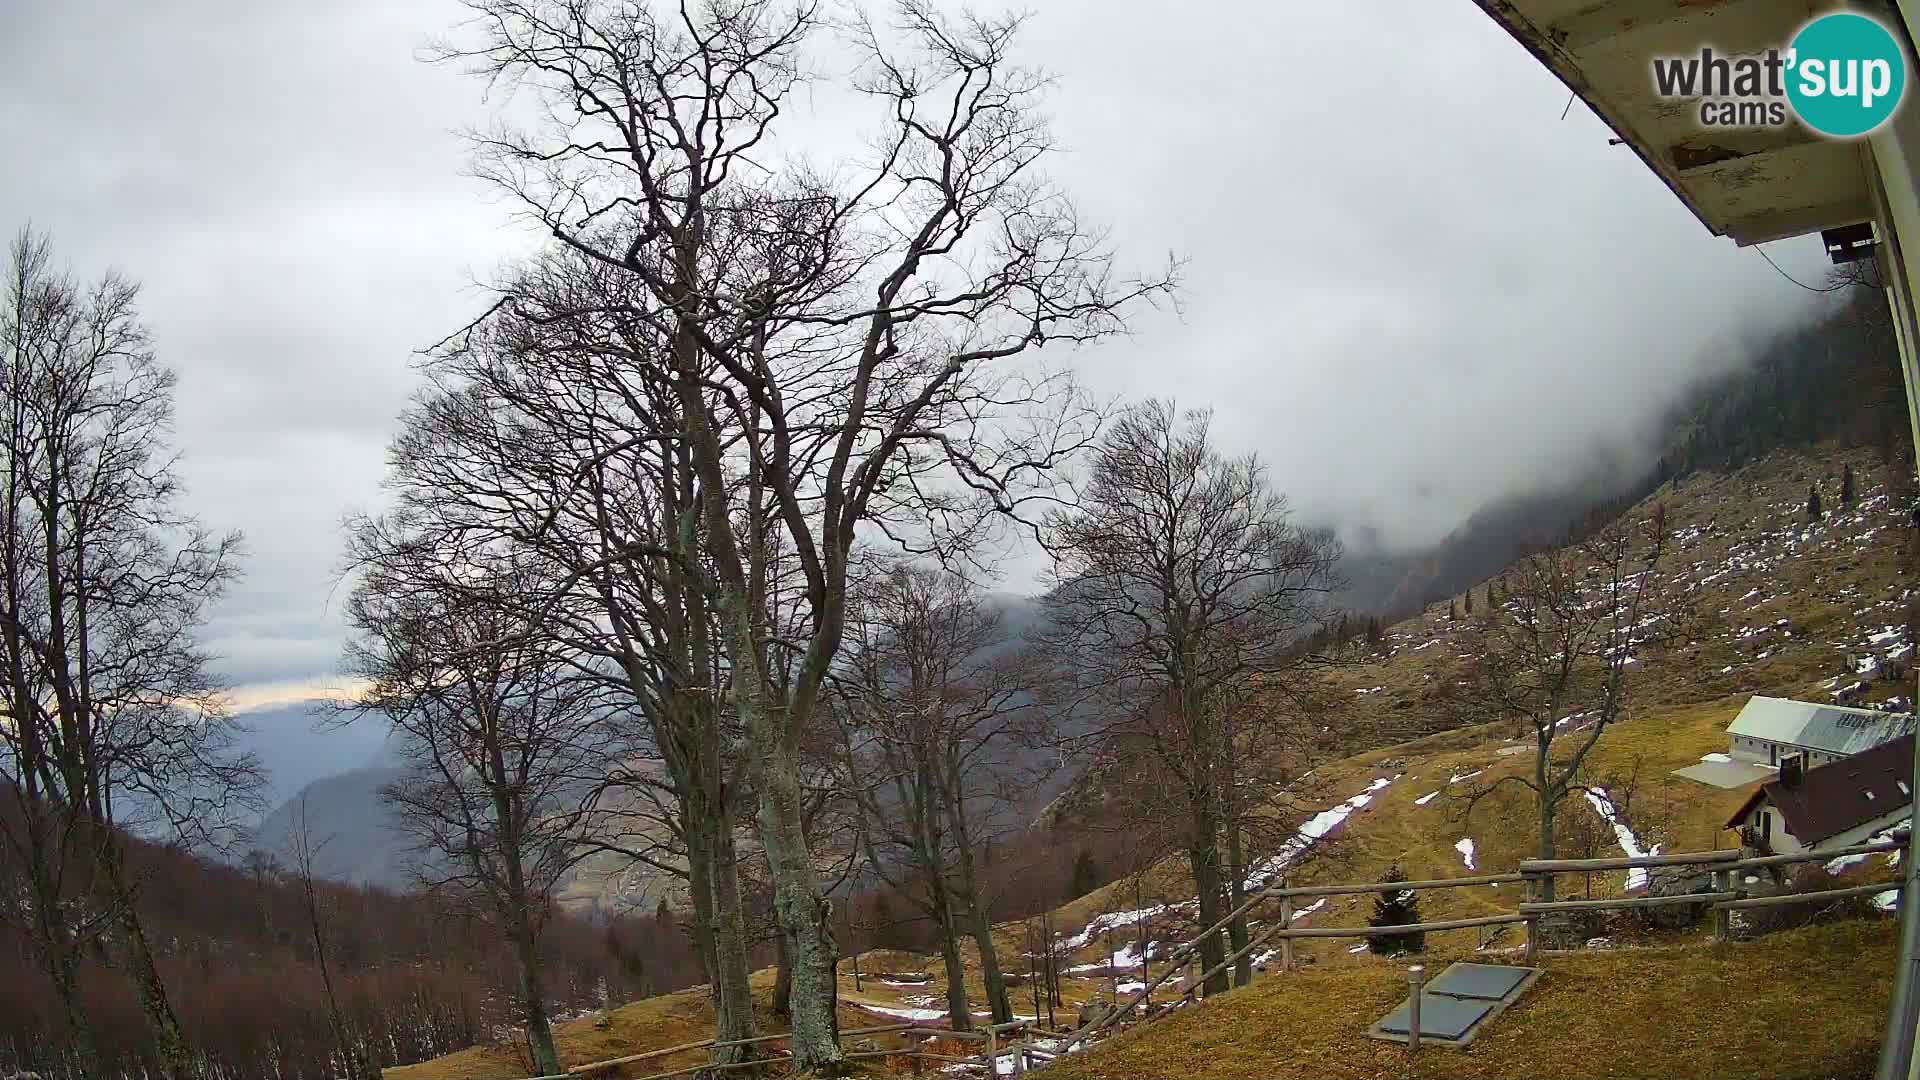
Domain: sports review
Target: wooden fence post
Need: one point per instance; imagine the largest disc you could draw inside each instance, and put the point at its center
(1532, 925)
(1722, 917)
(1019, 1057)
(993, 1051)
(1113, 973)
(1416, 977)
(1286, 919)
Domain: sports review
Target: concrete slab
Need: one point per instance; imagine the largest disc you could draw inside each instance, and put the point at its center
(1490, 982)
(1726, 774)
(1441, 1017)
(1460, 1015)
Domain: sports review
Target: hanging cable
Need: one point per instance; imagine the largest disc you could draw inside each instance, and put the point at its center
(1776, 269)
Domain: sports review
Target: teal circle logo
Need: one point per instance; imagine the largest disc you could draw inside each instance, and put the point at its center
(1846, 74)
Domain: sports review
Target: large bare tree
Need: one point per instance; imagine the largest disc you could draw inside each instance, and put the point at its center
(942, 739)
(544, 432)
(1556, 653)
(1183, 592)
(501, 736)
(112, 716)
(835, 338)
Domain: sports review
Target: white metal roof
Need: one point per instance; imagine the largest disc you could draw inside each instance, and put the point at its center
(1831, 729)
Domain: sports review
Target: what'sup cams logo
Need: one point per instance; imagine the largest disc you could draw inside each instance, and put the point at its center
(1843, 75)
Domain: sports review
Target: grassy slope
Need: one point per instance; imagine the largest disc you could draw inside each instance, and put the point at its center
(1793, 1007)
(1745, 560)
(650, 1024)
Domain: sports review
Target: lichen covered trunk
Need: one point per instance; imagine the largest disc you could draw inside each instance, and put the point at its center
(799, 908)
(732, 997)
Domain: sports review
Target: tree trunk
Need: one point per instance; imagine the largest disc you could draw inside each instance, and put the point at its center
(996, 981)
(1236, 893)
(350, 1058)
(979, 920)
(54, 939)
(798, 906)
(733, 998)
(65, 971)
(782, 1004)
(701, 893)
(959, 1012)
(533, 997)
(720, 935)
(519, 914)
(176, 1060)
(1203, 856)
(1549, 807)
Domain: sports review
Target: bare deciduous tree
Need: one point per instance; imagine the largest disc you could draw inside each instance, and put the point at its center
(830, 335)
(303, 850)
(500, 735)
(1556, 654)
(113, 718)
(941, 737)
(1182, 592)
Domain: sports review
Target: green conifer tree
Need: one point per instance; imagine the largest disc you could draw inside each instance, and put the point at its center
(1396, 907)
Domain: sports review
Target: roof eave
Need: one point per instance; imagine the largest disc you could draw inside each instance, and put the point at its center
(1522, 29)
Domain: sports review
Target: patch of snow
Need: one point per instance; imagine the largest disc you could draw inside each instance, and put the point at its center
(1886, 901)
(901, 1014)
(1109, 921)
(1464, 776)
(1425, 799)
(1308, 910)
(1362, 947)
(1312, 832)
(1721, 758)
(1636, 877)
(1132, 986)
(1465, 847)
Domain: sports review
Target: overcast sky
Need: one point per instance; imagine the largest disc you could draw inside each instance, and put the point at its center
(1412, 286)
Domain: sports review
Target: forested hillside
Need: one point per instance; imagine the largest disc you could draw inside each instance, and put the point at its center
(414, 975)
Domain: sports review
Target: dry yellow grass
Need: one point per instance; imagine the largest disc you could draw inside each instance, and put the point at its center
(1796, 1006)
(651, 1024)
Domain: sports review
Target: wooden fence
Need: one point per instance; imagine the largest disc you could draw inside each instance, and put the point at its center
(1018, 1038)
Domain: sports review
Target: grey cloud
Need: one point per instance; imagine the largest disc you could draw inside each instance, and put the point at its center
(1412, 287)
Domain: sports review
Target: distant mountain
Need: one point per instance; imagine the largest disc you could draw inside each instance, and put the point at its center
(297, 746)
(362, 843)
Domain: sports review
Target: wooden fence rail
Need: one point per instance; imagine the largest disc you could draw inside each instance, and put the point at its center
(1724, 896)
